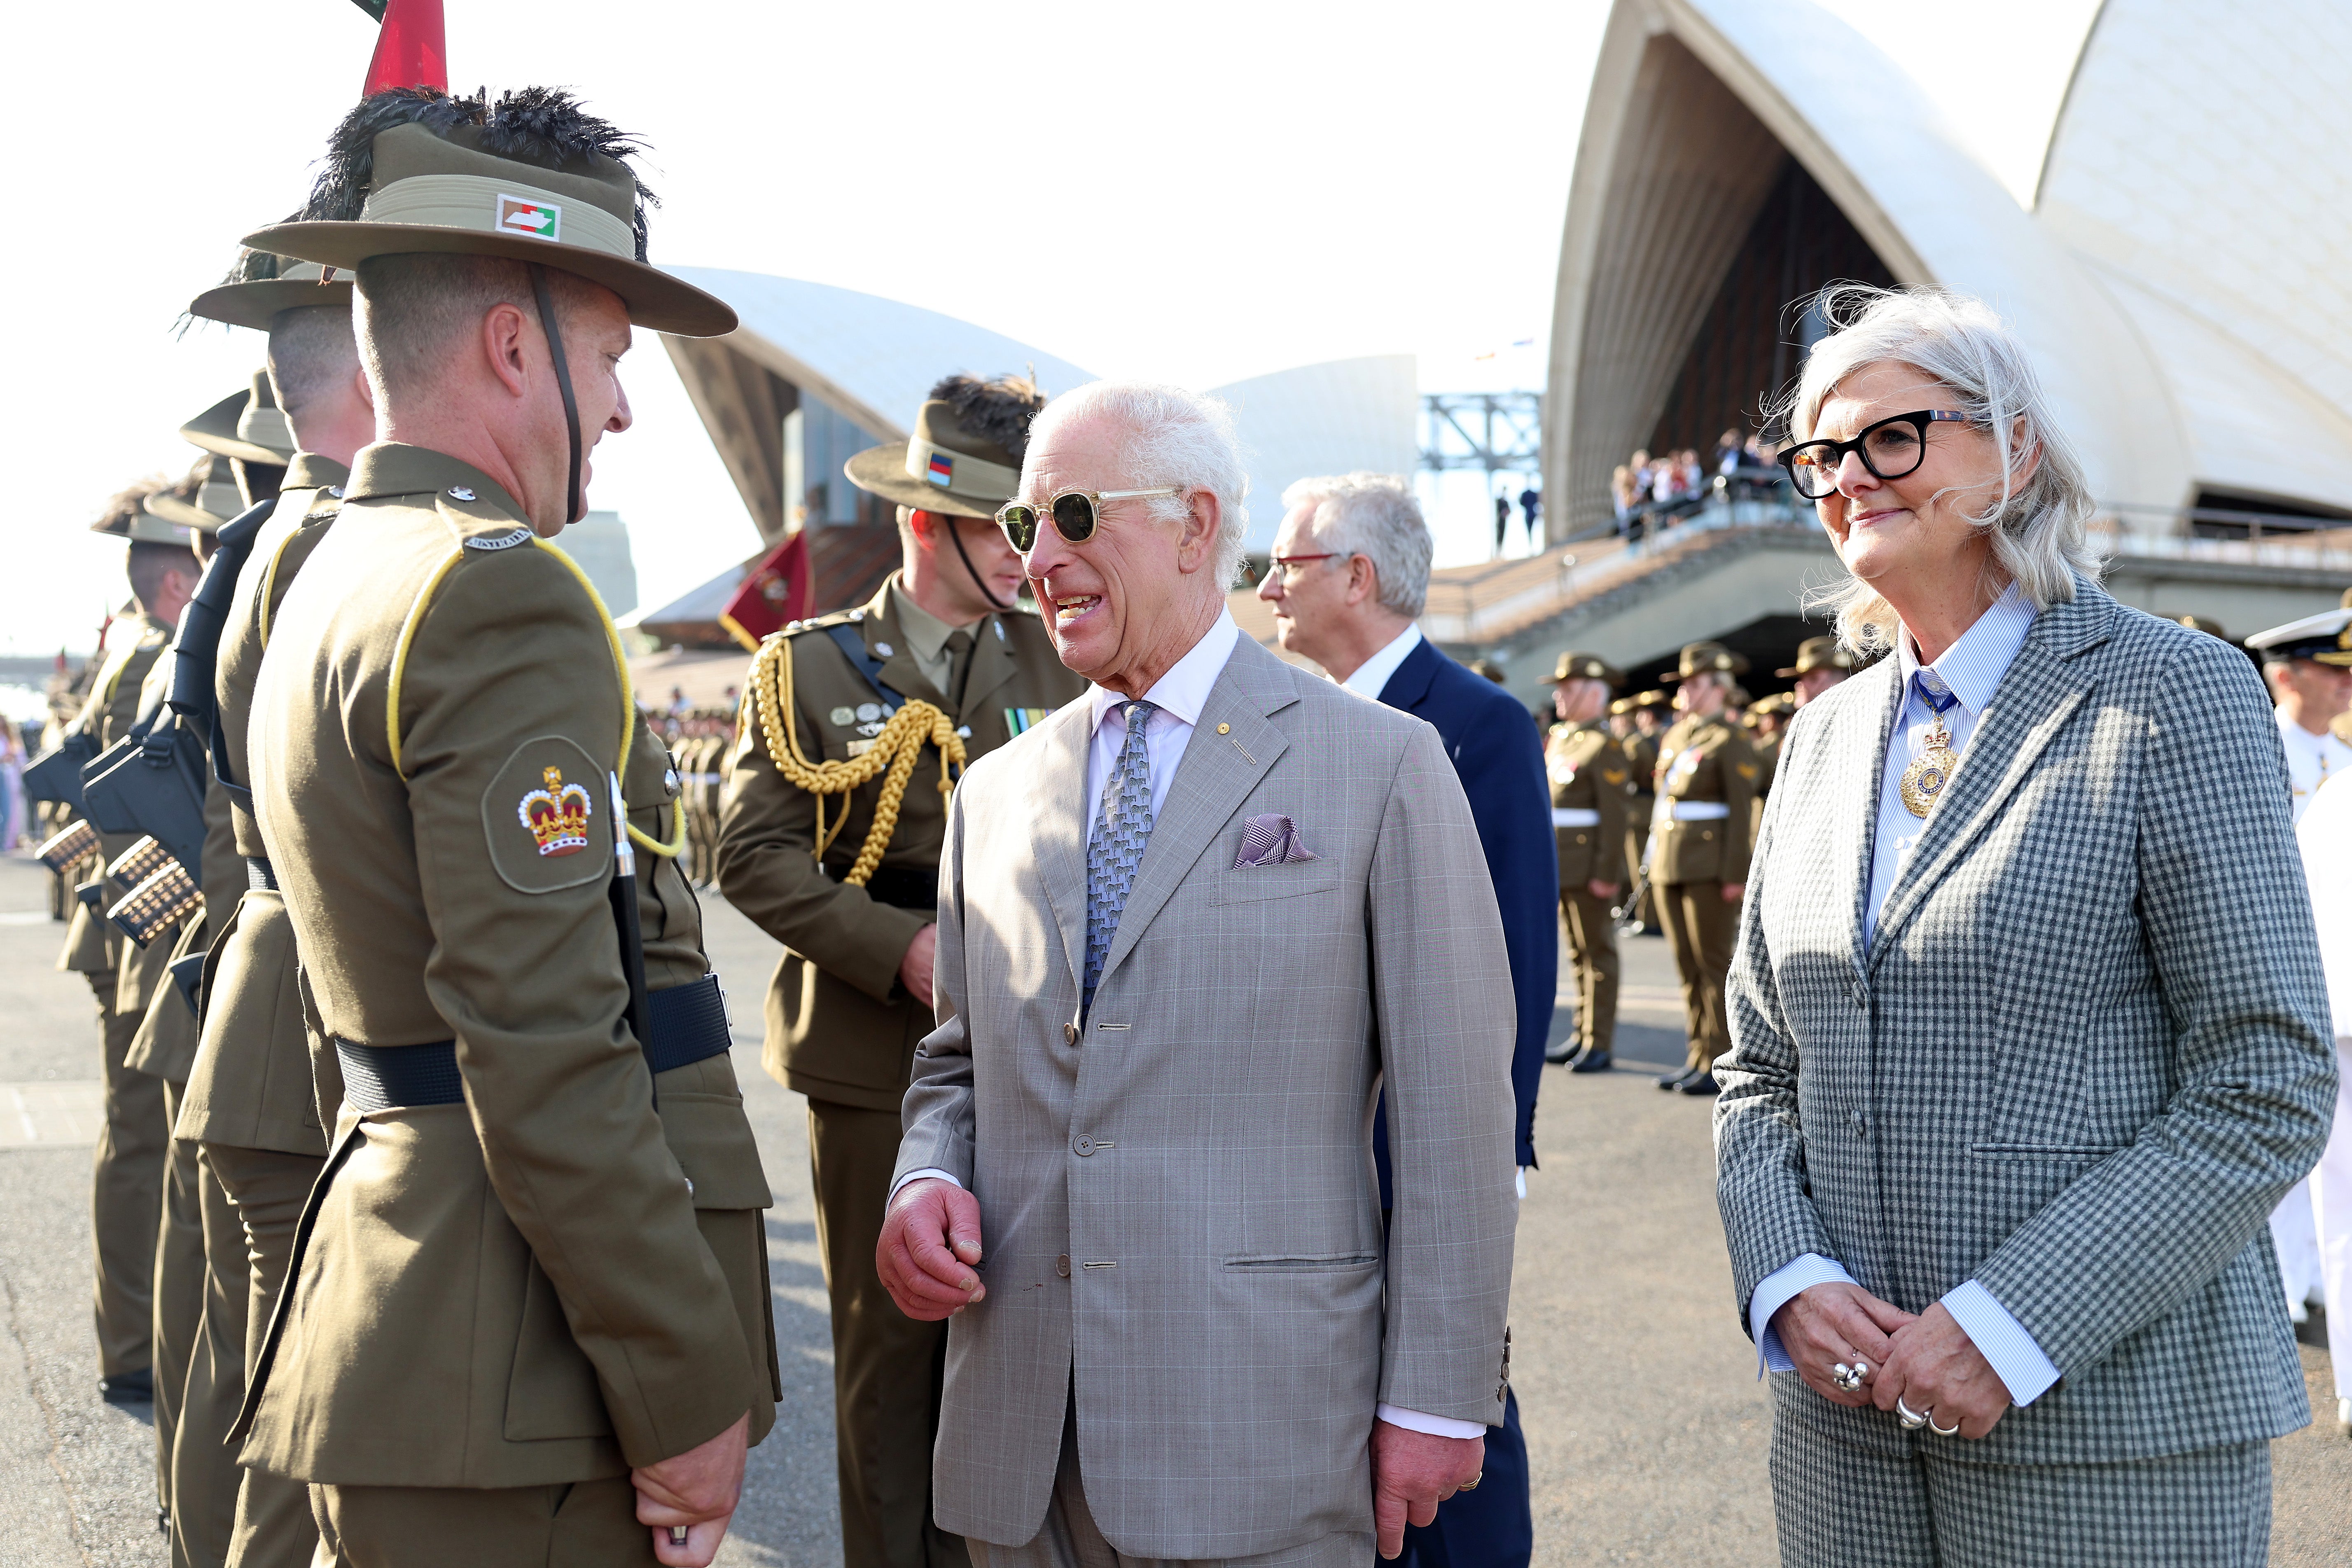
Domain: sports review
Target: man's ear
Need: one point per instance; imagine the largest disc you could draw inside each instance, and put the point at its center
(503, 338)
(1196, 545)
(1363, 579)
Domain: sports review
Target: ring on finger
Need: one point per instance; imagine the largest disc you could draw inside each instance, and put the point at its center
(1951, 1431)
(677, 1534)
(1912, 1419)
(1848, 1378)
(1472, 1484)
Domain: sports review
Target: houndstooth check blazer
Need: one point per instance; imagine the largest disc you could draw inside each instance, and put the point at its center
(1177, 1197)
(2085, 1056)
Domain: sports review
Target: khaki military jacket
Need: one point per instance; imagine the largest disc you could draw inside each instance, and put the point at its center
(93, 945)
(1588, 772)
(250, 1085)
(840, 1027)
(1702, 760)
(526, 1287)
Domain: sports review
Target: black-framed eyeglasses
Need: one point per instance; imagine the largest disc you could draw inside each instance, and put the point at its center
(1076, 513)
(1890, 448)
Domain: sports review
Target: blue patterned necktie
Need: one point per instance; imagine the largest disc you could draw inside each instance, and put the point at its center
(1115, 848)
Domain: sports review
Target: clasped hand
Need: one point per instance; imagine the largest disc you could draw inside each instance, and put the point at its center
(929, 1255)
(1926, 1360)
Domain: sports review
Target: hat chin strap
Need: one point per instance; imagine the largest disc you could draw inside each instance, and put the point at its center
(564, 382)
(955, 534)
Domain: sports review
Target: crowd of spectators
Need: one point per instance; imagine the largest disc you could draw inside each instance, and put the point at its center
(1655, 492)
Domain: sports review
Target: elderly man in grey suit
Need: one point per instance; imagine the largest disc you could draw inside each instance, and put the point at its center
(1188, 928)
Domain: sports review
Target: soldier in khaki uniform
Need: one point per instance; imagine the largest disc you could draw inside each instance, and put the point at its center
(526, 1317)
(250, 1106)
(1707, 777)
(1589, 773)
(165, 1043)
(853, 904)
(128, 1189)
(1639, 740)
(1821, 663)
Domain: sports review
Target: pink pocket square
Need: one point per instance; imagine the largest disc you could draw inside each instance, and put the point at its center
(1271, 841)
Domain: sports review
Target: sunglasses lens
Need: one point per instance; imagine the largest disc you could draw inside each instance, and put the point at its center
(1020, 525)
(1074, 516)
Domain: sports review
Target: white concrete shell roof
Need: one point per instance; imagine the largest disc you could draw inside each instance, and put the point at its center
(872, 359)
(1331, 418)
(2180, 285)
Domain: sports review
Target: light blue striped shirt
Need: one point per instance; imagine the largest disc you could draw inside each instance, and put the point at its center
(1970, 670)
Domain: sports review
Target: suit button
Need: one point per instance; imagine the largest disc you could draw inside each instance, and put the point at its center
(1069, 1034)
(1084, 1146)
(1861, 996)
(1860, 1125)
(1062, 1265)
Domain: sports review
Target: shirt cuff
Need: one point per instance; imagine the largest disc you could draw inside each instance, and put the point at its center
(1436, 1426)
(2001, 1339)
(927, 1172)
(1779, 1288)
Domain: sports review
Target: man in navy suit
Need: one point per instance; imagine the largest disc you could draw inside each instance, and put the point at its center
(1350, 575)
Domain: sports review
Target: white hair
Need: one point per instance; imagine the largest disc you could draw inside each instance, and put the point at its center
(1173, 437)
(1374, 516)
(2036, 527)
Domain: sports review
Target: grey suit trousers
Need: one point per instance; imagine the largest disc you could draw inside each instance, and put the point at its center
(1848, 1505)
(1071, 1539)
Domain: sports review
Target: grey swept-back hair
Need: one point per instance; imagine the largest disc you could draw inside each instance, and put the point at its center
(1171, 437)
(1374, 516)
(2037, 528)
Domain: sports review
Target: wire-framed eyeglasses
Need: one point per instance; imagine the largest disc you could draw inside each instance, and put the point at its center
(1890, 448)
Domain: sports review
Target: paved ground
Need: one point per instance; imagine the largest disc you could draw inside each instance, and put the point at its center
(1647, 1426)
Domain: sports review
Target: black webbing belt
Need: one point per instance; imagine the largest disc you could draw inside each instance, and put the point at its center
(259, 875)
(687, 1024)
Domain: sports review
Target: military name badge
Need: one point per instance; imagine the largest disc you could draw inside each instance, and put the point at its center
(541, 817)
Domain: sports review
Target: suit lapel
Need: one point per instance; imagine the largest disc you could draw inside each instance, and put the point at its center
(1059, 814)
(1860, 830)
(1409, 682)
(2036, 700)
(1216, 775)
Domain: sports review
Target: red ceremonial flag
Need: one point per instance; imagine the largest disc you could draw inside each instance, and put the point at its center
(779, 589)
(409, 50)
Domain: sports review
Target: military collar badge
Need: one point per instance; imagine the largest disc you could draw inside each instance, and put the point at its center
(557, 815)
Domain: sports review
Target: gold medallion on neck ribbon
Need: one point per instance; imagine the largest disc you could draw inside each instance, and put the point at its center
(1929, 772)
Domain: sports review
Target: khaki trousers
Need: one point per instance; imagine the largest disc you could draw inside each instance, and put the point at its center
(179, 1289)
(1593, 964)
(126, 1196)
(1071, 1539)
(887, 1367)
(585, 1525)
(1700, 930)
(266, 1189)
(206, 1475)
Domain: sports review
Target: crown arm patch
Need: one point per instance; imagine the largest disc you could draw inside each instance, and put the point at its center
(540, 818)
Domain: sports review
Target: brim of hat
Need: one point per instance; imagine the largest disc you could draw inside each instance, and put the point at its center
(256, 304)
(214, 431)
(654, 298)
(148, 529)
(171, 509)
(882, 471)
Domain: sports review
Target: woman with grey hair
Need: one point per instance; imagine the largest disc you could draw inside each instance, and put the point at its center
(2028, 1022)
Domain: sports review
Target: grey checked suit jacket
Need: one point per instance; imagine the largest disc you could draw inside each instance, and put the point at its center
(2085, 1056)
(1180, 1201)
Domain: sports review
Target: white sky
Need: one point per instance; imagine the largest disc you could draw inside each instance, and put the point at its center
(1193, 194)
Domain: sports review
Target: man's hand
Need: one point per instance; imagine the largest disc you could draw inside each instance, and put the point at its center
(1413, 1472)
(1936, 1367)
(1734, 892)
(930, 1252)
(698, 1489)
(915, 969)
(1604, 891)
(1825, 1325)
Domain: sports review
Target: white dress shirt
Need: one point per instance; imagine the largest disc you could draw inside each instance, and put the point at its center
(1971, 671)
(2311, 761)
(1371, 677)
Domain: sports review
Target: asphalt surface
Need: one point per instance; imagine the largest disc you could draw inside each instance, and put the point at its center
(1646, 1425)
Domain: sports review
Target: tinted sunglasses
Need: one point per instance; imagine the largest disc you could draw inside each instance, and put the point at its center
(1077, 514)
